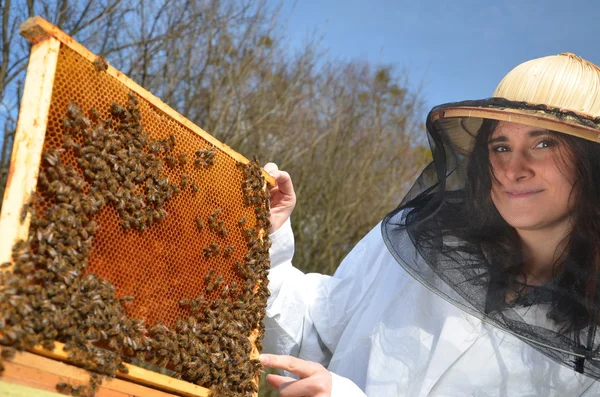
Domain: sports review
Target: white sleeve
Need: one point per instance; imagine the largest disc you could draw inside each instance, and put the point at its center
(308, 313)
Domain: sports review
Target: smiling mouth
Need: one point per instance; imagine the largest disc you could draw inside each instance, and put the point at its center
(523, 194)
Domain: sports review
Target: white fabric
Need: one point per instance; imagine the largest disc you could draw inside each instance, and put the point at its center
(384, 334)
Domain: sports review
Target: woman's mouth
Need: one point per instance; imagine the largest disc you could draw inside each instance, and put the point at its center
(522, 193)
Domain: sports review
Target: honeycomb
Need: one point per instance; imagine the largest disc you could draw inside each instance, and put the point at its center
(166, 262)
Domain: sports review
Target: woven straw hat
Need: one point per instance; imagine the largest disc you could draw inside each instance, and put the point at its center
(558, 92)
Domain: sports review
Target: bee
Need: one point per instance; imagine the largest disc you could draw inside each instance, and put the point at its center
(170, 160)
(184, 180)
(117, 110)
(95, 382)
(126, 299)
(52, 157)
(94, 115)
(172, 140)
(73, 111)
(123, 368)
(228, 250)
(241, 270)
(242, 221)
(77, 390)
(182, 159)
(154, 147)
(8, 353)
(101, 64)
(194, 188)
(199, 223)
(208, 276)
(215, 213)
(184, 302)
(63, 388)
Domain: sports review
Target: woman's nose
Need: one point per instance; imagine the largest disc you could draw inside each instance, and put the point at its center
(518, 167)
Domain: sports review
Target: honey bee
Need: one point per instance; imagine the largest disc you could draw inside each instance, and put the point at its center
(63, 388)
(117, 110)
(182, 159)
(199, 223)
(170, 160)
(215, 248)
(94, 115)
(242, 221)
(194, 188)
(8, 353)
(184, 302)
(184, 180)
(154, 147)
(122, 368)
(77, 390)
(209, 275)
(228, 250)
(95, 382)
(215, 213)
(101, 64)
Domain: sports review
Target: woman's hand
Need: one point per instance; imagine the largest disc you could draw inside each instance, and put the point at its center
(283, 198)
(315, 380)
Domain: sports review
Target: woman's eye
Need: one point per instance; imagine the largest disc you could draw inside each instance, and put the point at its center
(546, 143)
(500, 149)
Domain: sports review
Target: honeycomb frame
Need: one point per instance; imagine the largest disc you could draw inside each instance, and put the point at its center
(48, 89)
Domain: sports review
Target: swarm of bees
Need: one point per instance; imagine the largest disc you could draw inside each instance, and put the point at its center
(49, 297)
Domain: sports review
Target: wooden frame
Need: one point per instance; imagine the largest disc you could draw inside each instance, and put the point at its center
(29, 373)
(46, 40)
(27, 148)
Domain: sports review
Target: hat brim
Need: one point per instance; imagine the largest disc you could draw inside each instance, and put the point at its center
(460, 121)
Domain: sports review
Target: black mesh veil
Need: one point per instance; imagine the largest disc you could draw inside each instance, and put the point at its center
(435, 234)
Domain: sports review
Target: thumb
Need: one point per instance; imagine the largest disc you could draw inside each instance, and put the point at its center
(277, 381)
(270, 167)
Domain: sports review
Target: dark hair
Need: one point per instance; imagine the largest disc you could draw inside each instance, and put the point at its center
(577, 269)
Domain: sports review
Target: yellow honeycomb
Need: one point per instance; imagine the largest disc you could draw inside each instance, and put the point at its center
(166, 262)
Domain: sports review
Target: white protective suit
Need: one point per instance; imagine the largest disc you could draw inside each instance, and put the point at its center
(381, 333)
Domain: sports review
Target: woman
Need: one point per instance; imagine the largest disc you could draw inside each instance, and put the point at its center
(483, 282)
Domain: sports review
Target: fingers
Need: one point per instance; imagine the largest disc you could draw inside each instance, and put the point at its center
(284, 181)
(317, 385)
(302, 368)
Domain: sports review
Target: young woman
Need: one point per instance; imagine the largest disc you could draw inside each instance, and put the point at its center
(484, 281)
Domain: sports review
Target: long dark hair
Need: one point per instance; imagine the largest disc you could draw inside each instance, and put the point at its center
(575, 302)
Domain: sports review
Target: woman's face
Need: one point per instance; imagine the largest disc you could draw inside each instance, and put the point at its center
(534, 176)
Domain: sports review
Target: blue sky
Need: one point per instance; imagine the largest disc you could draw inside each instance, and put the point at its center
(454, 50)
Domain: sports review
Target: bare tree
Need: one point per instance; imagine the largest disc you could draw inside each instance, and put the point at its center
(349, 133)
(90, 21)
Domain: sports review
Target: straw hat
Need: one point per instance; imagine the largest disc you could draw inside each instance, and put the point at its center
(558, 92)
